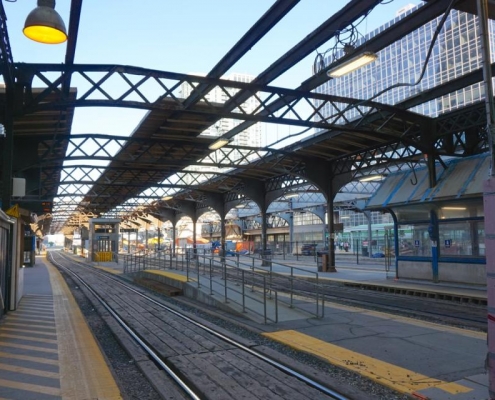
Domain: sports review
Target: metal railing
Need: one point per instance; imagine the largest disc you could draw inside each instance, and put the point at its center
(234, 285)
(284, 278)
(275, 281)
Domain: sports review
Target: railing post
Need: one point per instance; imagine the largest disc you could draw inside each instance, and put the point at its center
(211, 280)
(187, 268)
(317, 303)
(252, 275)
(271, 279)
(197, 270)
(323, 305)
(243, 293)
(264, 297)
(225, 281)
(276, 307)
(317, 294)
(291, 287)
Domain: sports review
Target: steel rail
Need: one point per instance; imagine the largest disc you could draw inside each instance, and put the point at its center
(332, 393)
(130, 331)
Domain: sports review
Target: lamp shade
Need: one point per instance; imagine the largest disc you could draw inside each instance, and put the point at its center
(45, 25)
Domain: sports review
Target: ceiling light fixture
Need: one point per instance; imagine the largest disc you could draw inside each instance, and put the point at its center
(218, 144)
(291, 195)
(351, 65)
(371, 178)
(454, 208)
(45, 25)
(167, 198)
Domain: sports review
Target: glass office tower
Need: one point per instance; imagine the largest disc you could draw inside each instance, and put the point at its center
(457, 51)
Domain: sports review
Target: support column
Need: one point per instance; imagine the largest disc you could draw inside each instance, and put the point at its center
(434, 237)
(194, 221)
(331, 236)
(264, 262)
(223, 235)
(291, 227)
(489, 193)
(174, 226)
(370, 231)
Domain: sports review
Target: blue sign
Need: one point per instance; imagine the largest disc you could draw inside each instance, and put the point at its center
(448, 242)
(416, 243)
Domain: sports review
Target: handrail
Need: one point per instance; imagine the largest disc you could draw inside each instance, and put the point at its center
(319, 296)
(260, 278)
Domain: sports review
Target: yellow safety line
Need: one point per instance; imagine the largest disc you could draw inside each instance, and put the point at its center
(177, 277)
(84, 374)
(397, 378)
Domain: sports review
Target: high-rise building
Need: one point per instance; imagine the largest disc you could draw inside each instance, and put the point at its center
(249, 137)
(456, 52)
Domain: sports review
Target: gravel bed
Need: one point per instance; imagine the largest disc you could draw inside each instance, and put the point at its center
(135, 386)
(345, 377)
(132, 383)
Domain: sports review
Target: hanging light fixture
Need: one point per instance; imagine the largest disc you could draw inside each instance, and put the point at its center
(218, 144)
(45, 25)
(351, 65)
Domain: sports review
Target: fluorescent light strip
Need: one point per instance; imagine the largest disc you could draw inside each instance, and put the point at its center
(218, 144)
(354, 63)
(371, 178)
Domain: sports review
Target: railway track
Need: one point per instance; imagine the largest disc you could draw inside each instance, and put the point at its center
(200, 361)
(450, 312)
(434, 310)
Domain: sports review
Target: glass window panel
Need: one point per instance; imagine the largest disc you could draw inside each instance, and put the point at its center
(460, 239)
(414, 240)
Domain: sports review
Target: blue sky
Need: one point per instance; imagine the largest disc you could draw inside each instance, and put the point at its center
(178, 36)
(188, 36)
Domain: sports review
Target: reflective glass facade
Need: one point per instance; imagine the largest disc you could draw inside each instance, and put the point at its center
(457, 51)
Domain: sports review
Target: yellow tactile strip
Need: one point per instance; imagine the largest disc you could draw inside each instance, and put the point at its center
(397, 378)
(84, 373)
(177, 277)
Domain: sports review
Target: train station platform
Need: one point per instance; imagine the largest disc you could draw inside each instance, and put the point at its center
(417, 358)
(47, 350)
(421, 359)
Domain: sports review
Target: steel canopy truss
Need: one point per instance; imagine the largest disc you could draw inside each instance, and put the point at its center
(166, 153)
(165, 94)
(161, 155)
